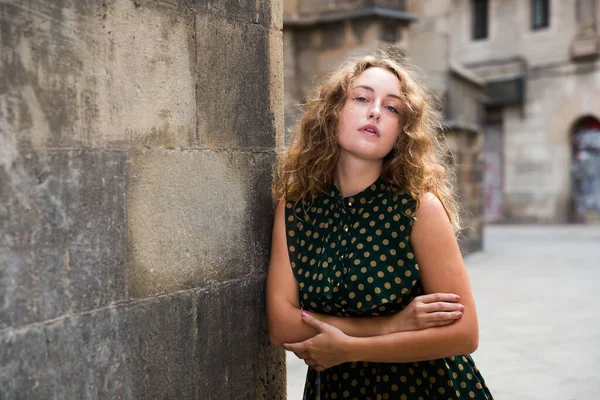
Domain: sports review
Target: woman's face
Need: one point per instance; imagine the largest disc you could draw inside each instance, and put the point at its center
(370, 121)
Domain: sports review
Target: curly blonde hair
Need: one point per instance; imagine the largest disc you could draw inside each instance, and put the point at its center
(416, 165)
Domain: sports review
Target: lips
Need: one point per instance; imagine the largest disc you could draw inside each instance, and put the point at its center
(370, 130)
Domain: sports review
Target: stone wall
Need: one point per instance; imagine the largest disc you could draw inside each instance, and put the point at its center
(560, 85)
(137, 140)
(460, 93)
(466, 145)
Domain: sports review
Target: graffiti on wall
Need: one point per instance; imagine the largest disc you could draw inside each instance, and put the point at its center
(586, 175)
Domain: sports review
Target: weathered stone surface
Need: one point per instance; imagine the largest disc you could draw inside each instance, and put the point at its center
(212, 342)
(233, 90)
(196, 217)
(251, 368)
(536, 179)
(63, 244)
(85, 354)
(89, 73)
(197, 344)
(99, 155)
(263, 12)
(467, 147)
(24, 367)
(159, 341)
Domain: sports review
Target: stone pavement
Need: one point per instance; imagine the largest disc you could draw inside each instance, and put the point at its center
(537, 290)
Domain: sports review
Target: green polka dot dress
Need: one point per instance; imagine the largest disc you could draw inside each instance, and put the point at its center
(352, 257)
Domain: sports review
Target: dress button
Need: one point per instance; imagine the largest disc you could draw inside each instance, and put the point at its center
(342, 257)
(345, 229)
(337, 285)
(349, 204)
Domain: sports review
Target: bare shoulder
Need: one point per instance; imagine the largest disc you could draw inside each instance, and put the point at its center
(430, 210)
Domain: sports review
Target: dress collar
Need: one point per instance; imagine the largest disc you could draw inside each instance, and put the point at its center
(364, 196)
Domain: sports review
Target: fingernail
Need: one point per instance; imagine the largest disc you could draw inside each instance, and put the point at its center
(457, 297)
(459, 314)
(461, 308)
(303, 314)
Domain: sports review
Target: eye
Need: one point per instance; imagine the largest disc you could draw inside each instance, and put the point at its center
(360, 98)
(392, 109)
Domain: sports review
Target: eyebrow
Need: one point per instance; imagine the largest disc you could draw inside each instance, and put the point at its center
(369, 88)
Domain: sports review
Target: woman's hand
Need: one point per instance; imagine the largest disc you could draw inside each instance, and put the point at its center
(325, 350)
(427, 311)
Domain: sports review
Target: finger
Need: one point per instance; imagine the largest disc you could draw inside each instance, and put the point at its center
(302, 355)
(437, 297)
(442, 306)
(317, 368)
(440, 323)
(314, 365)
(312, 321)
(311, 363)
(299, 349)
(442, 316)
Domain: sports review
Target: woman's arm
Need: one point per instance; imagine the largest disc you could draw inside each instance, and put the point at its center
(283, 306)
(442, 270)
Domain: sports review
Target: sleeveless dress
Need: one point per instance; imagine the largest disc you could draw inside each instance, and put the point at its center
(352, 257)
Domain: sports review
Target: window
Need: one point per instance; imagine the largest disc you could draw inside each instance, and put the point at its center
(540, 14)
(480, 19)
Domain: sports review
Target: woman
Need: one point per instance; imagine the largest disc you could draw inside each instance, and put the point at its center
(366, 274)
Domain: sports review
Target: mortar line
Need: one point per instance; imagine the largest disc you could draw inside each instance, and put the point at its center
(130, 303)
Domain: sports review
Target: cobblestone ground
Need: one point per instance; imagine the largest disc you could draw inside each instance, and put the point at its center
(537, 290)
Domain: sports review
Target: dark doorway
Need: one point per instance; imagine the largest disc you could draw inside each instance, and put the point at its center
(586, 171)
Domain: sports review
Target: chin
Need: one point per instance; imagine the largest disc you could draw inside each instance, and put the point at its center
(367, 150)
(367, 155)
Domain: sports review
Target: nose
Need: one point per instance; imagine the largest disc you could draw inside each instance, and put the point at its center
(375, 111)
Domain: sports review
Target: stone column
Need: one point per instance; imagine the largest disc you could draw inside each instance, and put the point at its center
(466, 144)
(137, 140)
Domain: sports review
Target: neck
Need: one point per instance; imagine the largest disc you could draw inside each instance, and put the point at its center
(353, 175)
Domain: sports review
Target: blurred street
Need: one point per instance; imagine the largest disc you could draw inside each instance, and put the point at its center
(537, 290)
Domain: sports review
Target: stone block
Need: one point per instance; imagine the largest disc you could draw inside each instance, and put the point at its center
(28, 290)
(160, 339)
(268, 13)
(85, 355)
(63, 246)
(98, 73)
(196, 217)
(24, 368)
(250, 368)
(212, 342)
(233, 92)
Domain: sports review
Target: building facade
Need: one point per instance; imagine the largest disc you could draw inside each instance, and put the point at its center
(539, 60)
